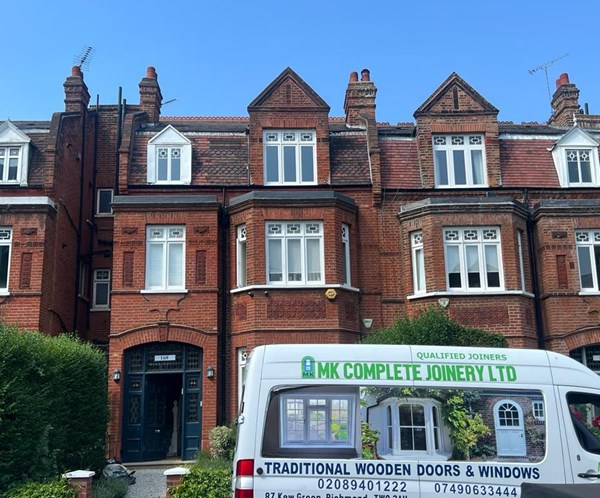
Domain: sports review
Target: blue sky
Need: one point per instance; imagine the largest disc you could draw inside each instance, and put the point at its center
(216, 57)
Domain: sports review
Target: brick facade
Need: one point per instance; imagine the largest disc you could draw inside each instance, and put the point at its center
(379, 181)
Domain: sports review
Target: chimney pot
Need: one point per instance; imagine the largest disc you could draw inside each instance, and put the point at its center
(353, 76)
(151, 72)
(365, 75)
(76, 71)
(563, 79)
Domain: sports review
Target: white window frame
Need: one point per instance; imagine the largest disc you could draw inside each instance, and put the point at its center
(521, 262)
(242, 361)
(101, 278)
(5, 242)
(100, 194)
(277, 144)
(83, 278)
(346, 269)
(13, 139)
(465, 242)
(538, 410)
(169, 238)
(308, 406)
(431, 429)
(447, 147)
(588, 252)
(418, 263)
(241, 257)
(169, 139)
(304, 235)
(578, 141)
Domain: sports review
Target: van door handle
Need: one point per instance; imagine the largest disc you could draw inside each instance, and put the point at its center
(589, 475)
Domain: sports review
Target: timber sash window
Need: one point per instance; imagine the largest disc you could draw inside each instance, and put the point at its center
(459, 161)
(5, 250)
(588, 253)
(165, 258)
(289, 157)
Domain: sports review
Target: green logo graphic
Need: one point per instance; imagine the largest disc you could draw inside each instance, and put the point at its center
(308, 367)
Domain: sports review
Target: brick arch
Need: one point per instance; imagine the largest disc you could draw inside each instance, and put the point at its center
(585, 337)
(162, 333)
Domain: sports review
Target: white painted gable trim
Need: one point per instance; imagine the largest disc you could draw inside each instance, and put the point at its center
(11, 135)
(579, 139)
(170, 137)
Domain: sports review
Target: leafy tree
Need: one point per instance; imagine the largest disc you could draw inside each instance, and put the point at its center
(434, 328)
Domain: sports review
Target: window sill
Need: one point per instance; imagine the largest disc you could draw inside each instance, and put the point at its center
(164, 291)
(96, 310)
(444, 187)
(464, 293)
(589, 293)
(4, 293)
(248, 288)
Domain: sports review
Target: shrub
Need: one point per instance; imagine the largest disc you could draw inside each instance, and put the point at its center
(434, 327)
(58, 488)
(222, 442)
(110, 488)
(207, 483)
(53, 406)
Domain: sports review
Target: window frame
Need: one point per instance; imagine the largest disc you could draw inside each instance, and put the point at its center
(284, 238)
(167, 242)
(276, 138)
(590, 164)
(241, 256)
(99, 195)
(96, 283)
(13, 138)
(307, 408)
(464, 253)
(591, 246)
(449, 150)
(6, 234)
(170, 139)
(346, 268)
(433, 428)
(417, 251)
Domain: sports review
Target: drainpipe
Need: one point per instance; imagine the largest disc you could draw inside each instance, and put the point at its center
(222, 329)
(118, 138)
(80, 220)
(539, 328)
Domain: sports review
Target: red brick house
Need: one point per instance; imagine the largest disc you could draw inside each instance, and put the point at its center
(201, 238)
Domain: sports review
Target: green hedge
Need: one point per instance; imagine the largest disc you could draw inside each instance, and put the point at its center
(434, 327)
(204, 482)
(53, 406)
(53, 489)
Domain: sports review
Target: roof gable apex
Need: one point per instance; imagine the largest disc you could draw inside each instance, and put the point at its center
(576, 137)
(455, 95)
(169, 135)
(10, 134)
(288, 90)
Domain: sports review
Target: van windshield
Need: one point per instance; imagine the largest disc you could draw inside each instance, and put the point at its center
(585, 415)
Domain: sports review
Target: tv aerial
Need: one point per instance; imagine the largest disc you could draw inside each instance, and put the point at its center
(544, 67)
(83, 59)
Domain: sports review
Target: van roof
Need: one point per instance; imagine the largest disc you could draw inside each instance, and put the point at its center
(377, 363)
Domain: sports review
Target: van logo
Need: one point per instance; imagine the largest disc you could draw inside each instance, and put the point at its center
(308, 367)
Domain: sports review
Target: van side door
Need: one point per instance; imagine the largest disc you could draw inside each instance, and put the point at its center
(580, 409)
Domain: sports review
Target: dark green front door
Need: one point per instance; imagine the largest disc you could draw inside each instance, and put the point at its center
(162, 402)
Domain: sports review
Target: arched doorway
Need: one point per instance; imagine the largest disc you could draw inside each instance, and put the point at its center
(162, 408)
(510, 429)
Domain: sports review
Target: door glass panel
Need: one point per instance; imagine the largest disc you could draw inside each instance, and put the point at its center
(192, 412)
(585, 416)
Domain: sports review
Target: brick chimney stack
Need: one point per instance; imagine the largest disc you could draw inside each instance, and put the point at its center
(360, 98)
(77, 96)
(150, 96)
(565, 102)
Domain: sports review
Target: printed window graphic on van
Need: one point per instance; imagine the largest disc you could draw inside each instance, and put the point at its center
(406, 423)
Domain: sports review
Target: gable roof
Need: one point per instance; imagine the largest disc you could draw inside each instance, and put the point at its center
(450, 89)
(9, 133)
(286, 91)
(576, 137)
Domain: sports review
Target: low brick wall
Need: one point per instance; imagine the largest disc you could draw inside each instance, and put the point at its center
(81, 480)
(174, 477)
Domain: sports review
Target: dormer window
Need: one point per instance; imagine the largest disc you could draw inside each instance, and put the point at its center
(459, 161)
(169, 158)
(14, 155)
(290, 157)
(576, 159)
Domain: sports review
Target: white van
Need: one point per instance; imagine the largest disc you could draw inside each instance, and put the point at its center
(387, 421)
